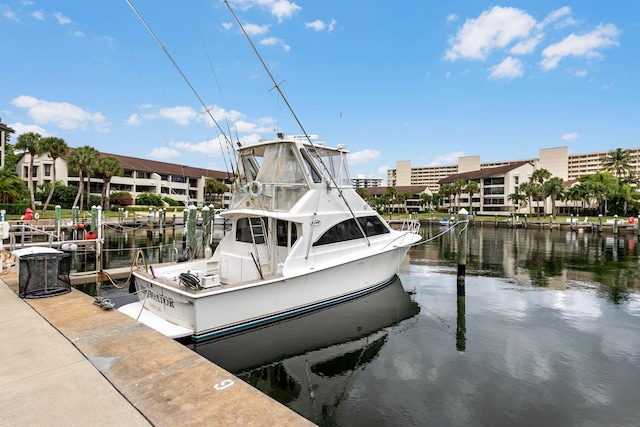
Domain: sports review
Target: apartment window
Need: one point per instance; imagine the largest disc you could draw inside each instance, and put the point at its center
(494, 181)
(47, 170)
(34, 172)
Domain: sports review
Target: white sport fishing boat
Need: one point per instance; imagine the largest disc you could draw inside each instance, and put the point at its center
(301, 239)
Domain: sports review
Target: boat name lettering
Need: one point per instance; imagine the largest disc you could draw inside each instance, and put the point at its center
(160, 298)
(315, 223)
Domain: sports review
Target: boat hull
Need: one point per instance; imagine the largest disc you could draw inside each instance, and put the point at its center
(222, 310)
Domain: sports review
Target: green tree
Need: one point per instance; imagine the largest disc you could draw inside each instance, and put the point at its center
(108, 167)
(618, 163)
(553, 188)
(83, 160)
(518, 199)
(472, 188)
(149, 199)
(529, 189)
(447, 190)
(539, 176)
(55, 148)
(30, 143)
(425, 200)
(458, 188)
(601, 187)
(12, 188)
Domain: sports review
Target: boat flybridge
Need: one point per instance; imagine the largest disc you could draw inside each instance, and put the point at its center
(301, 239)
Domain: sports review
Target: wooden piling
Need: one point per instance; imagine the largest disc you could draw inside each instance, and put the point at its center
(462, 251)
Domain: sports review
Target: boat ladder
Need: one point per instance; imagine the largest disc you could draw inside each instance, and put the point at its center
(258, 230)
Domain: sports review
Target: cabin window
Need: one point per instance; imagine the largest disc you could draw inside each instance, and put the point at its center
(346, 230)
(284, 231)
(315, 174)
(372, 225)
(244, 228)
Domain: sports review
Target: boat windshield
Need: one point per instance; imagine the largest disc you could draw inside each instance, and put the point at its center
(273, 176)
(280, 166)
(336, 165)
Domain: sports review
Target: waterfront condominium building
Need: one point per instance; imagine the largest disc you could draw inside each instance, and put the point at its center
(496, 180)
(558, 161)
(182, 183)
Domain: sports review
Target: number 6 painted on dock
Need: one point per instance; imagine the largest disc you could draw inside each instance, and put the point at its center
(223, 384)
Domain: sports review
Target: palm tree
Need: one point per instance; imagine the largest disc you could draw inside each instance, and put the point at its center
(553, 188)
(458, 188)
(472, 188)
(30, 143)
(539, 176)
(518, 200)
(446, 190)
(529, 190)
(55, 148)
(425, 200)
(82, 160)
(12, 187)
(618, 163)
(600, 186)
(108, 167)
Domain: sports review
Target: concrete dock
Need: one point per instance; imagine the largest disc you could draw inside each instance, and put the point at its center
(67, 362)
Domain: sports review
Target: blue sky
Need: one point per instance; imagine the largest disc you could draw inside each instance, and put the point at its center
(420, 80)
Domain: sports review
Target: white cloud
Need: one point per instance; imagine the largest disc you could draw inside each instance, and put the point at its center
(570, 136)
(62, 20)
(382, 171)
(447, 159)
(253, 29)
(275, 41)
(452, 18)
(580, 73)
(61, 114)
(555, 15)
(133, 120)
(316, 25)
(38, 15)
(219, 114)
(10, 14)
(363, 156)
(493, 29)
(282, 9)
(526, 46)
(319, 25)
(227, 25)
(211, 147)
(587, 45)
(180, 114)
(21, 128)
(510, 68)
(164, 153)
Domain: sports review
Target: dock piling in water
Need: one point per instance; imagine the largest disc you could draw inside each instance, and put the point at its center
(462, 251)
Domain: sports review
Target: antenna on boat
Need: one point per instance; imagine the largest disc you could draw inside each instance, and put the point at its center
(293, 113)
(175, 64)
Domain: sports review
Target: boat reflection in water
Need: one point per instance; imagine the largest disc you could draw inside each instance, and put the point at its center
(308, 363)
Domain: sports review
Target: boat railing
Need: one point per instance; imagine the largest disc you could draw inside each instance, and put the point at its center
(411, 226)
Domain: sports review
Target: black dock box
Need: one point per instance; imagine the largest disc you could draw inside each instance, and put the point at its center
(42, 272)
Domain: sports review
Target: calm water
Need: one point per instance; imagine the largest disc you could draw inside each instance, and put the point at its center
(548, 334)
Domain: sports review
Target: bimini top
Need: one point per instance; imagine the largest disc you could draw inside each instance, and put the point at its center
(283, 170)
